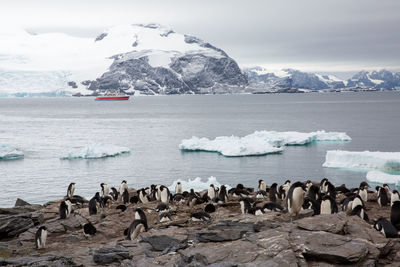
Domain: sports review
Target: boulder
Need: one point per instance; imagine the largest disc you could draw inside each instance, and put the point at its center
(40, 260)
(108, 255)
(220, 236)
(13, 225)
(19, 202)
(164, 243)
(332, 223)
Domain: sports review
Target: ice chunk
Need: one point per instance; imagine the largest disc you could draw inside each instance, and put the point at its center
(95, 151)
(385, 161)
(8, 152)
(382, 177)
(259, 142)
(196, 184)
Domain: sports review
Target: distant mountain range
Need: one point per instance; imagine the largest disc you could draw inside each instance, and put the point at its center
(261, 78)
(146, 59)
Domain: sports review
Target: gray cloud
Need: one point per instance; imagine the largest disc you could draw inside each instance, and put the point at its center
(310, 35)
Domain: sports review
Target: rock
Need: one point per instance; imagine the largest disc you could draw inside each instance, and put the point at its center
(13, 225)
(42, 260)
(110, 254)
(220, 236)
(332, 223)
(163, 242)
(19, 202)
(324, 246)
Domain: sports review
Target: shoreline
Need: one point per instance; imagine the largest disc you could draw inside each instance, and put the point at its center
(229, 239)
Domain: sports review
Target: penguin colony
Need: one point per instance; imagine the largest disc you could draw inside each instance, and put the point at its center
(287, 198)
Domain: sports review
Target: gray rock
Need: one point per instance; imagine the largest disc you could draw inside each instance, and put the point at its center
(163, 242)
(13, 225)
(40, 260)
(220, 236)
(333, 223)
(110, 254)
(19, 202)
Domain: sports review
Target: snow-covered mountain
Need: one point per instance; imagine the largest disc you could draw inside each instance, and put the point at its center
(262, 78)
(142, 58)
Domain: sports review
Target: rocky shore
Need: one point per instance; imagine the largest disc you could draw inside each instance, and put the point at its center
(230, 238)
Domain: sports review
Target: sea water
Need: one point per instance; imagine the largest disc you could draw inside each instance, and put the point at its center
(152, 128)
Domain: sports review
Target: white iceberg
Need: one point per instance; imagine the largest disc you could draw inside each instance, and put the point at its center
(258, 143)
(95, 151)
(382, 177)
(196, 184)
(366, 160)
(8, 152)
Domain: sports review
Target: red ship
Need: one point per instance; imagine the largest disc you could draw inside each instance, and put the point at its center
(113, 96)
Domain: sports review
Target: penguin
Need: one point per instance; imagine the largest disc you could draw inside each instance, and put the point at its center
(386, 228)
(134, 199)
(363, 191)
(178, 188)
(114, 193)
(157, 192)
(164, 217)
(93, 204)
(105, 190)
(65, 209)
(256, 211)
(162, 207)
(273, 192)
(71, 190)
(200, 216)
(330, 190)
(125, 196)
(211, 192)
(209, 208)
(313, 192)
(261, 194)
(395, 215)
(357, 201)
(360, 212)
(347, 203)
(41, 237)
(164, 194)
(322, 185)
(136, 227)
(312, 204)
(121, 207)
(328, 205)
(140, 215)
(239, 191)
(89, 229)
(261, 185)
(143, 196)
(122, 187)
(178, 198)
(295, 198)
(272, 206)
(394, 197)
(342, 189)
(308, 185)
(286, 187)
(382, 199)
(244, 205)
(106, 201)
(282, 192)
(222, 195)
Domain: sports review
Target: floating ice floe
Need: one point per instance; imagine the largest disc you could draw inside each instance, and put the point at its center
(8, 152)
(95, 151)
(366, 160)
(196, 184)
(258, 143)
(382, 177)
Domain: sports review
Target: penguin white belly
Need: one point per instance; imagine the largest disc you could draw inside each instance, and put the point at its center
(242, 207)
(364, 195)
(326, 207)
(164, 196)
(394, 198)
(178, 189)
(297, 199)
(139, 228)
(259, 212)
(211, 193)
(356, 202)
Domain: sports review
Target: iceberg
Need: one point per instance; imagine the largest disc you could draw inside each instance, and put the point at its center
(196, 184)
(382, 177)
(258, 143)
(95, 151)
(8, 152)
(366, 160)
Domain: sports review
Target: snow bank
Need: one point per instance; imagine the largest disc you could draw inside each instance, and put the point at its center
(258, 143)
(197, 184)
(382, 177)
(95, 151)
(8, 152)
(386, 161)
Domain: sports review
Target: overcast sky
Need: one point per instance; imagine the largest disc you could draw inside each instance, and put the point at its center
(310, 35)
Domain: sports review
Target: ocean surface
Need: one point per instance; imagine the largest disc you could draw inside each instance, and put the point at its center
(153, 127)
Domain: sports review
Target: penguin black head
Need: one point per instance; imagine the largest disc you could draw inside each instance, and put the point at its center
(364, 185)
(260, 181)
(43, 227)
(240, 186)
(123, 181)
(211, 185)
(134, 199)
(287, 182)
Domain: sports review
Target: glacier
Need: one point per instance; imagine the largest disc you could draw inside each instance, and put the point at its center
(365, 160)
(382, 177)
(8, 152)
(197, 184)
(258, 143)
(95, 151)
